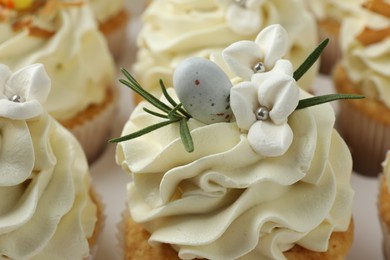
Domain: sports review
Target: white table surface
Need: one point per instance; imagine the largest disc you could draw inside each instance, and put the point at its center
(110, 181)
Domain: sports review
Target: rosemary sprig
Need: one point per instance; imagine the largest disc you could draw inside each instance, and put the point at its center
(310, 60)
(313, 101)
(173, 114)
(143, 131)
(305, 66)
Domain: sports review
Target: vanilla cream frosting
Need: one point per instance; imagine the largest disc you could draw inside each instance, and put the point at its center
(335, 10)
(203, 203)
(176, 29)
(104, 10)
(46, 211)
(76, 57)
(367, 65)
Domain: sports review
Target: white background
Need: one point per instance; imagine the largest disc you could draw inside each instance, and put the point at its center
(110, 182)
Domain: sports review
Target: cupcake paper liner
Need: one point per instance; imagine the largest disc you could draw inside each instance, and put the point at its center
(367, 139)
(93, 134)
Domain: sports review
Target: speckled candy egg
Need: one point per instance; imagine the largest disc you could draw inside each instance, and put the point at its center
(204, 90)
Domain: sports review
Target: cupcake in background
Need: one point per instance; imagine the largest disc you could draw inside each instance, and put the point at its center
(365, 125)
(384, 205)
(329, 15)
(253, 168)
(63, 36)
(174, 30)
(112, 18)
(48, 208)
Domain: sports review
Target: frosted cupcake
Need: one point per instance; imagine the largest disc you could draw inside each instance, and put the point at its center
(113, 20)
(247, 161)
(63, 36)
(330, 15)
(48, 208)
(366, 125)
(174, 30)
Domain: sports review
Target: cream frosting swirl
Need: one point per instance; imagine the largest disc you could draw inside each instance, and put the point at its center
(203, 202)
(177, 29)
(367, 65)
(76, 57)
(333, 9)
(44, 182)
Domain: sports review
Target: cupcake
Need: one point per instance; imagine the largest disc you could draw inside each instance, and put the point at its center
(112, 18)
(329, 15)
(384, 205)
(176, 29)
(63, 36)
(236, 168)
(48, 207)
(366, 125)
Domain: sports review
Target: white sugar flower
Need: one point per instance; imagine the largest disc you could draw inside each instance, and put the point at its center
(16, 160)
(23, 92)
(245, 58)
(262, 107)
(243, 16)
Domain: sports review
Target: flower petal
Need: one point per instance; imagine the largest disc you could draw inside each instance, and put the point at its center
(273, 40)
(20, 111)
(280, 95)
(243, 21)
(241, 57)
(5, 73)
(269, 139)
(281, 67)
(30, 82)
(243, 101)
(16, 152)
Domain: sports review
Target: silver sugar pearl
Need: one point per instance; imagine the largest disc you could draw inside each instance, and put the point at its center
(259, 67)
(16, 99)
(241, 3)
(262, 113)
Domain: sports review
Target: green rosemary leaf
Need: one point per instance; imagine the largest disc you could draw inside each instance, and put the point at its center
(170, 99)
(309, 102)
(155, 113)
(185, 135)
(310, 60)
(134, 85)
(173, 112)
(143, 131)
(129, 77)
(147, 96)
(166, 95)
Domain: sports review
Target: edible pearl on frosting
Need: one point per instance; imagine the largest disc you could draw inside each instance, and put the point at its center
(259, 67)
(16, 99)
(262, 113)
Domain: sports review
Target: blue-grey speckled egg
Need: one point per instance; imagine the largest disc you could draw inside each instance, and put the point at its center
(204, 90)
